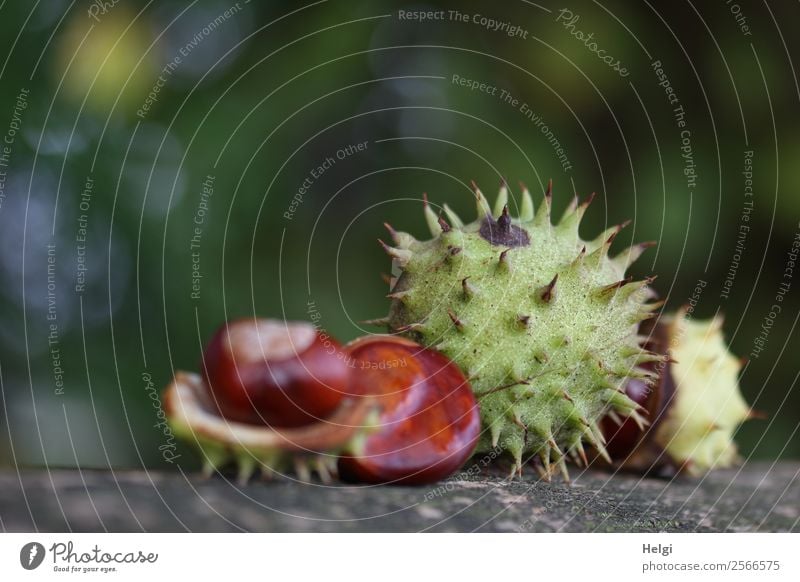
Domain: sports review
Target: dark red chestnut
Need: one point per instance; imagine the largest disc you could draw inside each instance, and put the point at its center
(626, 437)
(429, 422)
(283, 374)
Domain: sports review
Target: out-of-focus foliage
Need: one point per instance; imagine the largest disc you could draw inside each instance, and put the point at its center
(125, 115)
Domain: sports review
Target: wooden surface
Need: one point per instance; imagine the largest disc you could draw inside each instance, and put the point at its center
(756, 497)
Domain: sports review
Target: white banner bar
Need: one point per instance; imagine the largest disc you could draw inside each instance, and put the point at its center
(401, 557)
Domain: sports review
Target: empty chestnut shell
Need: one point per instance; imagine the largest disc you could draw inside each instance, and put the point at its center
(311, 447)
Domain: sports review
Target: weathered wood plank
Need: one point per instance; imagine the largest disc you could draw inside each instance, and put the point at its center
(757, 497)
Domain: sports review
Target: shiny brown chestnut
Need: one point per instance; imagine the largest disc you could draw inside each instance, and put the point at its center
(625, 438)
(429, 421)
(265, 371)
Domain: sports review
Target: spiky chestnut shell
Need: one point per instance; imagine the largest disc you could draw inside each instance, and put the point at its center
(696, 406)
(543, 322)
(195, 419)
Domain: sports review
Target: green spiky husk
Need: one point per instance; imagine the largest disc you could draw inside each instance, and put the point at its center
(545, 331)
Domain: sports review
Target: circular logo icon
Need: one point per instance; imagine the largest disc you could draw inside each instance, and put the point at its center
(31, 555)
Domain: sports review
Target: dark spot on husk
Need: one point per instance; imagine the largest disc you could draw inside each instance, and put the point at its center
(501, 232)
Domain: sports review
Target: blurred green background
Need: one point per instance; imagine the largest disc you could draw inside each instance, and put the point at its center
(146, 100)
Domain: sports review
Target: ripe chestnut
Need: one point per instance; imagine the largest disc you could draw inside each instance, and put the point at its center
(625, 436)
(265, 371)
(429, 421)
